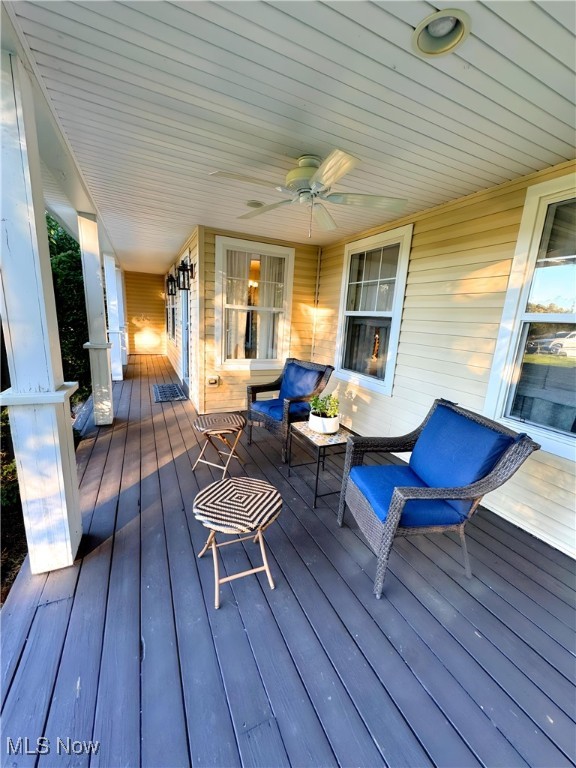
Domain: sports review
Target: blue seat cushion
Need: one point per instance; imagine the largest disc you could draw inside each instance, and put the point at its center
(298, 381)
(453, 450)
(273, 408)
(377, 485)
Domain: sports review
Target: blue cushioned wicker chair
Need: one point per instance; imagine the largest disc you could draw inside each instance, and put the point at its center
(457, 457)
(298, 383)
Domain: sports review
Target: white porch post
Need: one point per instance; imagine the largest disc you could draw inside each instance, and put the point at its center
(98, 344)
(113, 307)
(38, 400)
(121, 292)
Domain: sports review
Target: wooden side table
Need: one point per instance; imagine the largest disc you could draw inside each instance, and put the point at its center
(318, 445)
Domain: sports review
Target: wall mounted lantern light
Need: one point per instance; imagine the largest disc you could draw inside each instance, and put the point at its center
(171, 285)
(183, 276)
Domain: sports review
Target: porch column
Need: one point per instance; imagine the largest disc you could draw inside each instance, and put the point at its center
(113, 307)
(98, 344)
(121, 291)
(38, 400)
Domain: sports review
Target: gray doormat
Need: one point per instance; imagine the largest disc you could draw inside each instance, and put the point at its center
(164, 393)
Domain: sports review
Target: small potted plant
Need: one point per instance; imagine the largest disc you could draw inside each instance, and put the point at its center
(324, 414)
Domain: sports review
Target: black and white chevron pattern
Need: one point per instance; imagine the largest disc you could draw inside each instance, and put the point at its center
(238, 505)
(219, 423)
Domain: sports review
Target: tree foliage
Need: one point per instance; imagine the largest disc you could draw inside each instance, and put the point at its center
(70, 306)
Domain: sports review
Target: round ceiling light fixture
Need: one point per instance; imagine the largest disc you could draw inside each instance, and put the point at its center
(441, 33)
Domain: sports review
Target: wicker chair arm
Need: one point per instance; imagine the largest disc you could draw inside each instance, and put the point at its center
(357, 446)
(472, 491)
(255, 389)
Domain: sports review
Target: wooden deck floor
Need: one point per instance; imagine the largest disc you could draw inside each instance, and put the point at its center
(125, 647)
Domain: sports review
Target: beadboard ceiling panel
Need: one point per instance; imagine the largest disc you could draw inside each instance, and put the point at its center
(152, 97)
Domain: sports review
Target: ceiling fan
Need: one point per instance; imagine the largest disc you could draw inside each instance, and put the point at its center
(310, 183)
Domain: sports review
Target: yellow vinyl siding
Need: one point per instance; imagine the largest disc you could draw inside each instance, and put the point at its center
(460, 263)
(145, 313)
(230, 395)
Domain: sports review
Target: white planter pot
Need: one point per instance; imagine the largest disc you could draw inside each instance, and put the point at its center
(323, 424)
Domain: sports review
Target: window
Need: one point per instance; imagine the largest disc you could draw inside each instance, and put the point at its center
(532, 384)
(371, 305)
(253, 292)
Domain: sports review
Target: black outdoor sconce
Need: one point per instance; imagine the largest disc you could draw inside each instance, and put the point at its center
(171, 285)
(183, 277)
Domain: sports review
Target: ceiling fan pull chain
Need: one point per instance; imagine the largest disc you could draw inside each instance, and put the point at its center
(311, 213)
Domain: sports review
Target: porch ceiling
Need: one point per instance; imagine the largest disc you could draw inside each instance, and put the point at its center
(154, 96)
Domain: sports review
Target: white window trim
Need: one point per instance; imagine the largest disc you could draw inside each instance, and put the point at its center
(231, 243)
(504, 370)
(403, 236)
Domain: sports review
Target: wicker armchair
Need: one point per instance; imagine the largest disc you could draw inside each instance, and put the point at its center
(298, 383)
(457, 457)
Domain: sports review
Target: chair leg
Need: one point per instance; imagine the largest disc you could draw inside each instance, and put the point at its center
(249, 433)
(341, 506)
(466, 558)
(382, 563)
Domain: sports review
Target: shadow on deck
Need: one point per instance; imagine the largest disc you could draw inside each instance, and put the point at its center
(125, 647)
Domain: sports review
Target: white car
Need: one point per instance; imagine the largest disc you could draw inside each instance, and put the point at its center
(563, 344)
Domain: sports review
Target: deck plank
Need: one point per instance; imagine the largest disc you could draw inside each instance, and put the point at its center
(74, 700)
(561, 569)
(442, 671)
(119, 672)
(29, 699)
(163, 726)
(473, 624)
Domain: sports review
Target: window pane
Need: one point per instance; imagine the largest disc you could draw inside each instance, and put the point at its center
(271, 277)
(389, 265)
(385, 296)
(251, 335)
(353, 300)
(367, 345)
(237, 264)
(372, 264)
(545, 392)
(236, 292)
(368, 300)
(554, 281)
(356, 267)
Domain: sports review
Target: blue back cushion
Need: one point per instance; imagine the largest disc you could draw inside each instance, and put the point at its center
(453, 450)
(377, 485)
(298, 381)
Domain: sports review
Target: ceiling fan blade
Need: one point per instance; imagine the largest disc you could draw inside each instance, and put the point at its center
(263, 209)
(394, 204)
(336, 165)
(322, 217)
(240, 177)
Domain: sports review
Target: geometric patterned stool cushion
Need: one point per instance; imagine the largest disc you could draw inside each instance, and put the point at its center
(237, 505)
(220, 423)
(215, 426)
